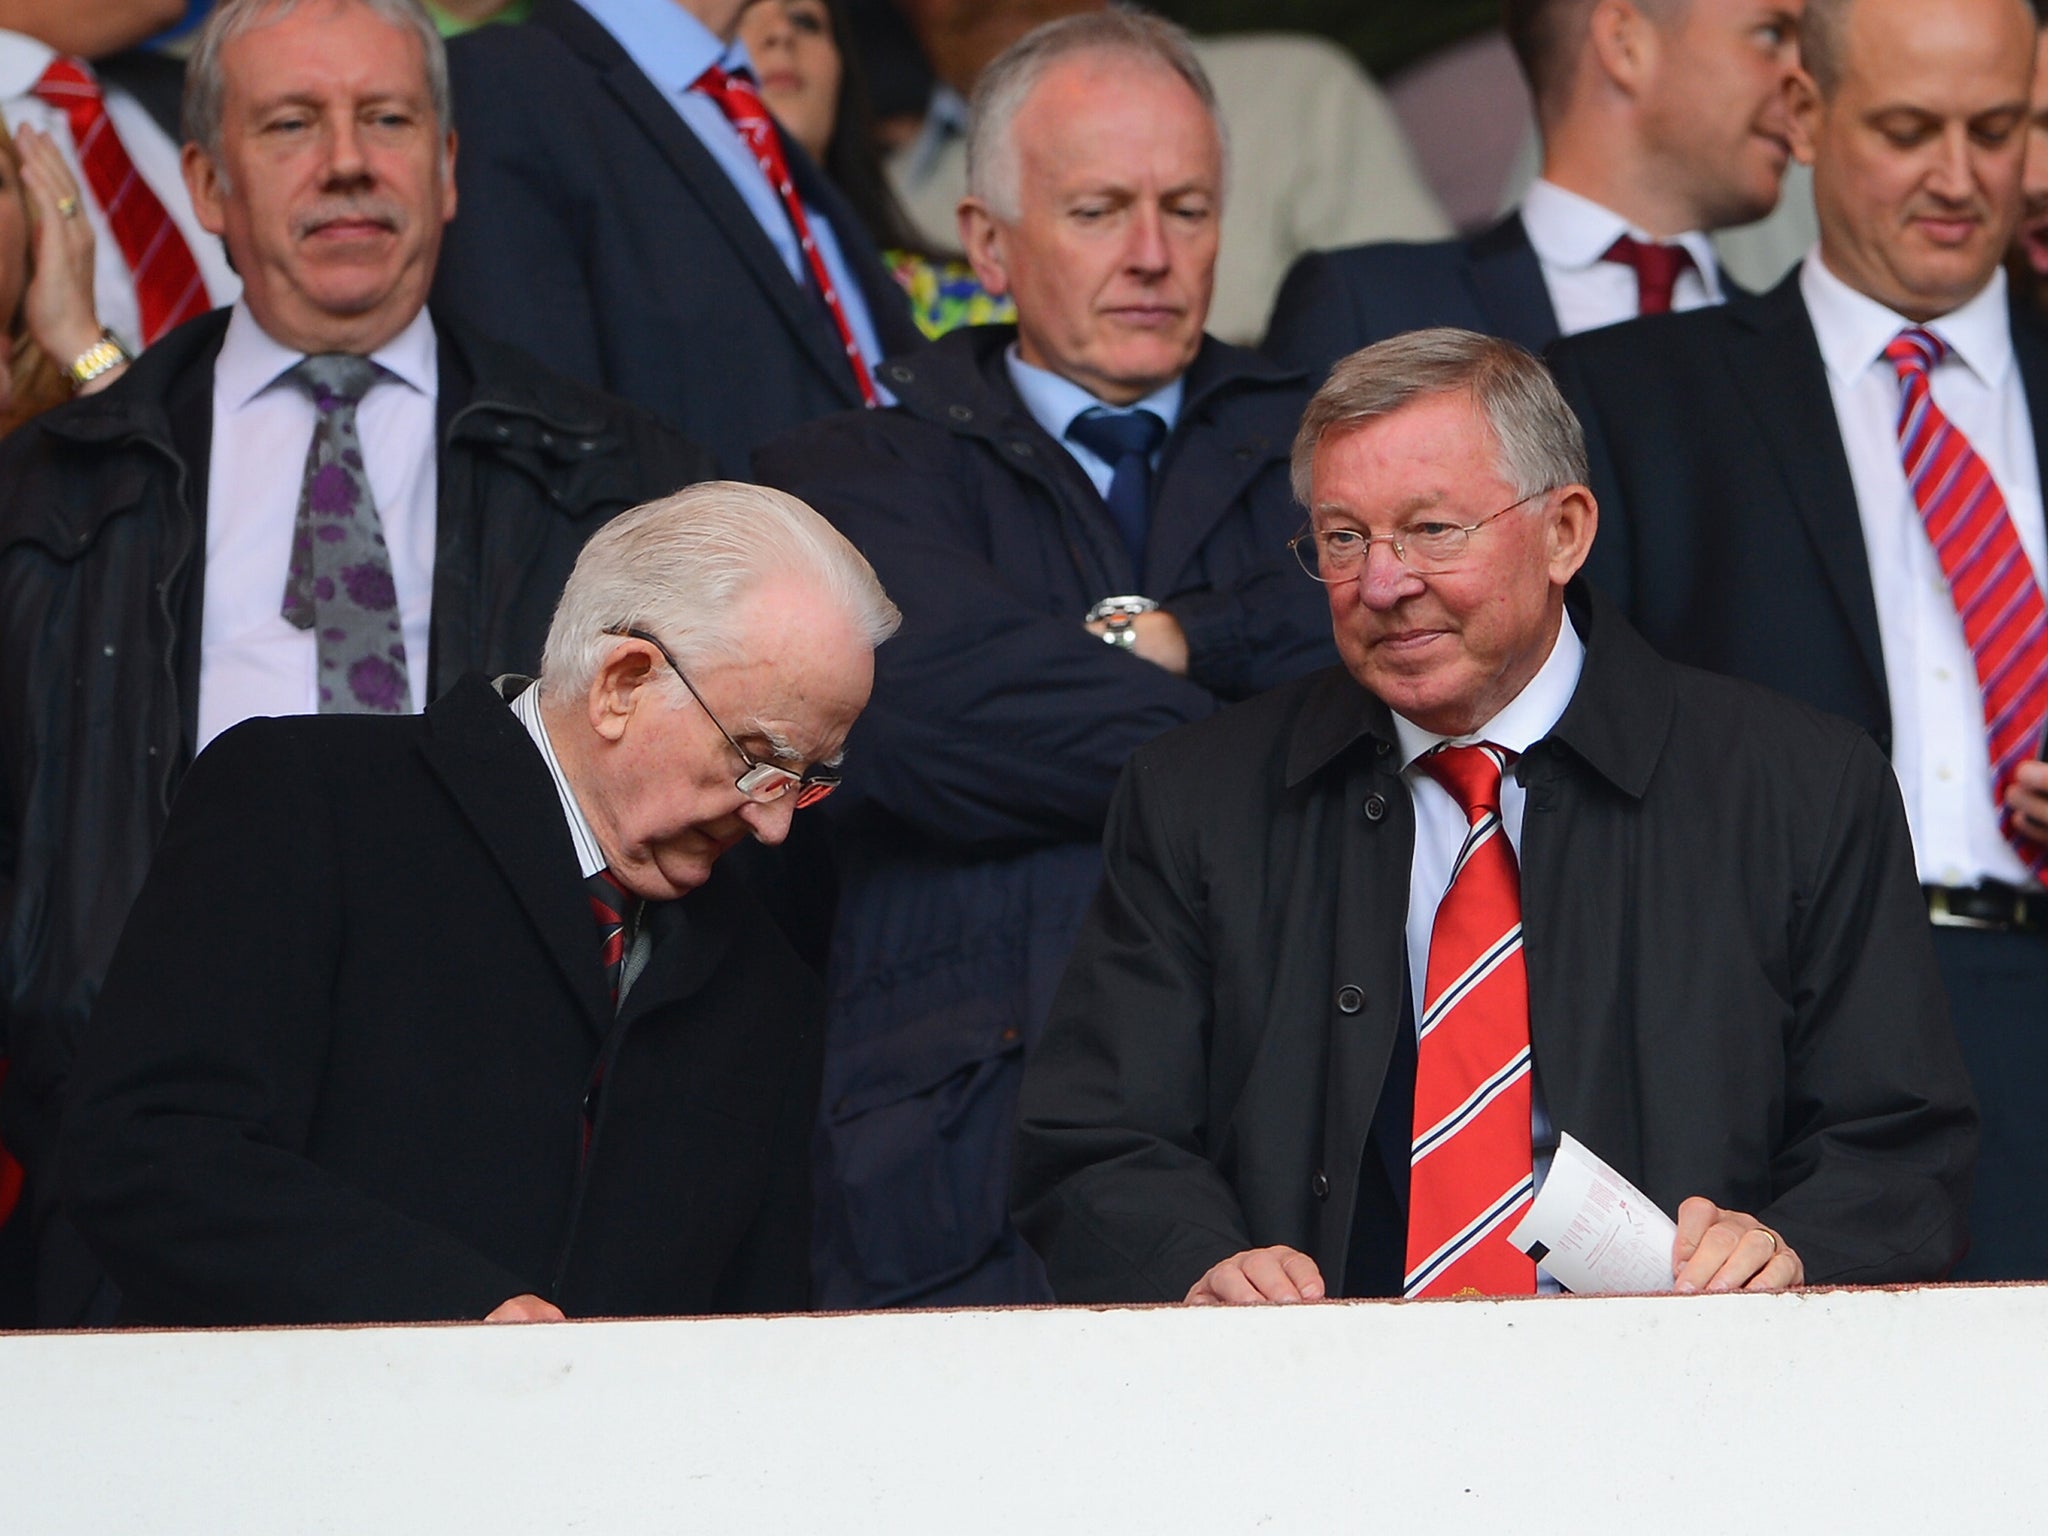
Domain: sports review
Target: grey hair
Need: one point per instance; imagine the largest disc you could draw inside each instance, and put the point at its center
(204, 87)
(1824, 39)
(680, 567)
(1540, 442)
(993, 170)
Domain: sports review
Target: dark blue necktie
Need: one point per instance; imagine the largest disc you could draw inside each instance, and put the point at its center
(1126, 443)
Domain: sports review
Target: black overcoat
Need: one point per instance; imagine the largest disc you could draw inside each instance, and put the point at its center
(1732, 992)
(340, 1068)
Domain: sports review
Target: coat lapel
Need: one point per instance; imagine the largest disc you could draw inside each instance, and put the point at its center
(1207, 470)
(688, 938)
(2030, 351)
(1777, 372)
(490, 768)
(1507, 285)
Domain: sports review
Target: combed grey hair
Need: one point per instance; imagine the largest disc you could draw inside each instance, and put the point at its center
(1541, 443)
(681, 567)
(994, 171)
(204, 87)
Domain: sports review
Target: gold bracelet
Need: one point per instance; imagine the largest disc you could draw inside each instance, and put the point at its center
(102, 356)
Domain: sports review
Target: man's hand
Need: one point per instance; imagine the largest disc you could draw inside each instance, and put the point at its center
(1259, 1275)
(1160, 639)
(2028, 798)
(1721, 1250)
(525, 1309)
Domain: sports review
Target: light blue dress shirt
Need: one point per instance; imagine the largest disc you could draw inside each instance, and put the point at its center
(1055, 403)
(673, 48)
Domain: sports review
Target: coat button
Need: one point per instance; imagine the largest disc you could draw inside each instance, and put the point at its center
(1022, 450)
(1375, 807)
(898, 373)
(1320, 1185)
(1382, 748)
(1350, 999)
(959, 413)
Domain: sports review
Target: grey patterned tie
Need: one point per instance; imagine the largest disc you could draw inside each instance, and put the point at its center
(339, 585)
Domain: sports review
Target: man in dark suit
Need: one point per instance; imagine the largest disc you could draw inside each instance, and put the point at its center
(1021, 529)
(1762, 521)
(165, 565)
(623, 227)
(452, 1016)
(1368, 945)
(1662, 121)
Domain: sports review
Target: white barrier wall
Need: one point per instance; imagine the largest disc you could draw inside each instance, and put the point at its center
(1909, 1411)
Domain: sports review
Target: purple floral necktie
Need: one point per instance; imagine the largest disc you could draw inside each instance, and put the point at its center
(339, 585)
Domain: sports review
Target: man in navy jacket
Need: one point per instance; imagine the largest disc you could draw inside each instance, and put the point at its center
(1000, 719)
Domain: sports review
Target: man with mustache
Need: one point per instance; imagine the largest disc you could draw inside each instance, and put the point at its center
(320, 500)
(1662, 121)
(1836, 489)
(1084, 517)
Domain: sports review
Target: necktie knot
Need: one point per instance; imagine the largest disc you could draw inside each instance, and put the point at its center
(65, 83)
(1915, 350)
(334, 378)
(1113, 436)
(1657, 267)
(1471, 774)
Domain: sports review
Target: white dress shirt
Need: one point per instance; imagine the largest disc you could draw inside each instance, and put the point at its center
(1938, 741)
(155, 158)
(1440, 829)
(251, 661)
(1571, 234)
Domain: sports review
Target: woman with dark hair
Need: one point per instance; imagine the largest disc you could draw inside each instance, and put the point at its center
(803, 57)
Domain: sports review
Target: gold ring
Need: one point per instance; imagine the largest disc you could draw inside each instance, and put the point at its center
(1775, 1244)
(67, 207)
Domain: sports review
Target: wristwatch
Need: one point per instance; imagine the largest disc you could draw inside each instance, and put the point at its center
(1120, 614)
(103, 355)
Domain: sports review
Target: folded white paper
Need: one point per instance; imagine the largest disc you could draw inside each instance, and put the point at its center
(1595, 1232)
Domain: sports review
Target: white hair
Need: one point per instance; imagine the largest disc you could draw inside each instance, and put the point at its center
(680, 567)
(993, 171)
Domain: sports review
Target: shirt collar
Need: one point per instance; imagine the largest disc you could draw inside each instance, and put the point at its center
(22, 62)
(1853, 329)
(1572, 233)
(526, 705)
(1054, 402)
(1526, 718)
(671, 47)
(251, 361)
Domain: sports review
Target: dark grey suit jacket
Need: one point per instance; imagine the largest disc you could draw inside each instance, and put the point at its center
(1335, 302)
(598, 233)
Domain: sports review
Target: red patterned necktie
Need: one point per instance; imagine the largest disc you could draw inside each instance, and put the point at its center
(1656, 266)
(1471, 1166)
(611, 904)
(168, 290)
(1993, 587)
(744, 109)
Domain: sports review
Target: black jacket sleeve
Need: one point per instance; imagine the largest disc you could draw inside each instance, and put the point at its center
(1114, 1182)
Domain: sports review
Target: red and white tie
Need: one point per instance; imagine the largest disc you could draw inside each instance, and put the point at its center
(1989, 579)
(744, 109)
(1471, 1165)
(168, 289)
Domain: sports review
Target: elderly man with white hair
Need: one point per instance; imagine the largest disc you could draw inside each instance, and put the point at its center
(453, 1015)
(1103, 471)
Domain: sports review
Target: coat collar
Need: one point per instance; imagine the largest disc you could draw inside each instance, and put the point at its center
(1616, 724)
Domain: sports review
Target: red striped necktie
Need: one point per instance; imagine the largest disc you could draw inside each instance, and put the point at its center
(611, 907)
(744, 109)
(1471, 1165)
(168, 290)
(1989, 579)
